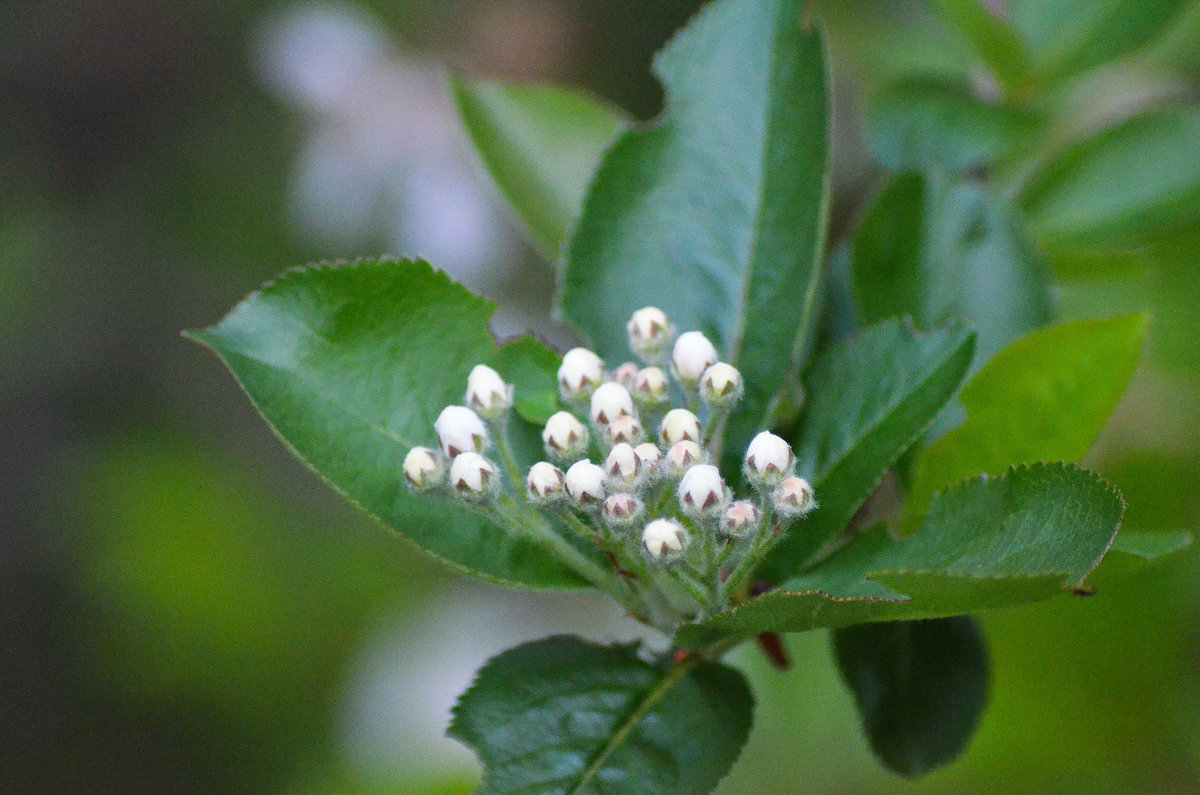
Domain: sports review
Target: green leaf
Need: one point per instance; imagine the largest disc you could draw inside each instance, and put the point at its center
(920, 686)
(564, 716)
(1152, 546)
(1032, 533)
(940, 249)
(991, 38)
(541, 145)
(869, 399)
(1122, 186)
(716, 212)
(351, 364)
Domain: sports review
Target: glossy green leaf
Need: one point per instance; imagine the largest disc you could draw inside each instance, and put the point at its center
(564, 716)
(716, 212)
(540, 145)
(1044, 398)
(940, 249)
(351, 364)
(1122, 186)
(1032, 533)
(920, 686)
(991, 37)
(869, 399)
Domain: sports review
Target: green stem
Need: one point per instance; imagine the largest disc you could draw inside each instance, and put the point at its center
(761, 541)
(507, 458)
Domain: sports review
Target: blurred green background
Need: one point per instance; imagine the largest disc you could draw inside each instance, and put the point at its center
(183, 607)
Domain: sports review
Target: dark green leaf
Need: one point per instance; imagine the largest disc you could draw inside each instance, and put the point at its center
(564, 716)
(716, 212)
(351, 365)
(1030, 534)
(996, 44)
(869, 399)
(540, 145)
(921, 687)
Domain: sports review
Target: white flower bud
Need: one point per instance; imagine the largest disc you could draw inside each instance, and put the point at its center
(769, 460)
(460, 430)
(545, 483)
(679, 425)
(793, 498)
(650, 387)
(581, 372)
(625, 429)
(664, 540)
(622, 509)
(565, 438)
(625, 375)
(692, 356)
(721, 385)
(681, 457)
(487, 394)
(702, 492)
(585, 484)
(623, 467)
(650, 334)
(609, 401)
(474, 477)
(739, 519)
(423, 469)
(651, 458)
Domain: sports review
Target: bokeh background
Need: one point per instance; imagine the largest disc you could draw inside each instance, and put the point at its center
(183, 607)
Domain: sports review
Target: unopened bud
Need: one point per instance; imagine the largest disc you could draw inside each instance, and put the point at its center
(769, 460)
(581, 372)
(625, 375)
(460, 430)
(585, 484)
(793, 498)
(623, 468)
(650, 334)
(625, 429)
(681, 457)
(679, 425)
(474, 477)
(721, 385)
(651, 459)
(702, 492)
(565, 438)
(692, 356)
(609, 401)
(650, 387)
(622, 509)
(739, 519)
(664, 540)
(545, 484)
(487, 394)
(423, 469)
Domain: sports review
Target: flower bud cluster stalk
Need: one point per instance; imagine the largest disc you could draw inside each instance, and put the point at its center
(627, 473)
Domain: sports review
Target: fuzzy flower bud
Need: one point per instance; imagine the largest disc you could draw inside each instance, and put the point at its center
(769, 460)
(721, 385)
(679, 425)
(423, 469)
(460, 430)
(702, 492)
(651, 459)
(622, 509)
(650, 334)
(623, 468)
(565, 438)
(681, 457)
(650, 387)
(585, 484)
(474, 477)
(625, 429)
(664, 540)
(793, 498)
(487, 394)
(609, 401)
(545, 484)
(692, 356)
(581, 372)
(625, 375)
(739, 519)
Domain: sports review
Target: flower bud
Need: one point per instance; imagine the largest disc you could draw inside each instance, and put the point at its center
(474, 477)
(487, 394)
(423, 469)
(679, 425)
(460, 430)
(664, 540)
(545, 484)
(692, 356)
(622, 509)
(651, 459)
(650, 334)
(565, 438)
(721, 385)
(585, 484)
(625, 429)
(623, 468)
(609, 401)
(681, 457)
(702, 492)
(769, 460)
(650, 387)
(739, 520)
(581, 372)
(793, 498)
(625, 375)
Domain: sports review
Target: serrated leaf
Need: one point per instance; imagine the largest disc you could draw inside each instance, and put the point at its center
(540, 145)
(1030, 534)
(716, 212)
(920, 686)
(869, 399)
(350, 365)
(1045, 397)
(564, 716)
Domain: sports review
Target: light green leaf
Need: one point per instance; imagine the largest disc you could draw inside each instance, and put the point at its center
(716, 212)
(1152, 546)
(351, 364)
(1044, 398)
(991, 38)
(869, 399)
(564, 716)
(541, 145)
(1030, 534)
